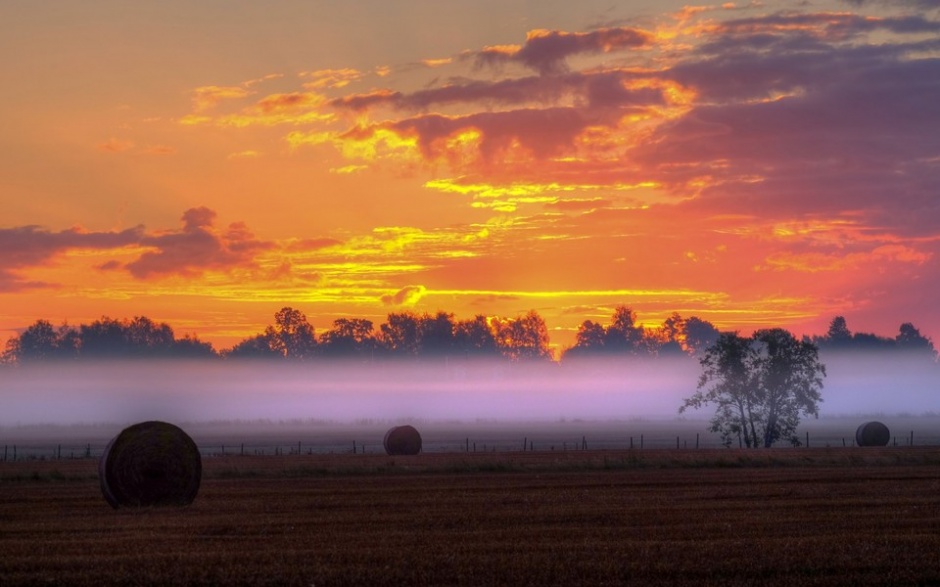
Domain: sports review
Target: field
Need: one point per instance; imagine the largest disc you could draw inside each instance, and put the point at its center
(818, 516)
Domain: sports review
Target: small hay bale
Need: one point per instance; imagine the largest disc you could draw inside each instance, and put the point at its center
(402, 440)
(150, 464)
(872, 434)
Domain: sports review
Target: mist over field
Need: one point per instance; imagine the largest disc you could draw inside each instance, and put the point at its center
(188, 391)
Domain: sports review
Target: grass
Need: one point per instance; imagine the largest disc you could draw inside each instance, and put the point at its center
(665, 517)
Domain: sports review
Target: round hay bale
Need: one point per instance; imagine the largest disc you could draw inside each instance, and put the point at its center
(872, 434)
(150, 464)
(402, 440)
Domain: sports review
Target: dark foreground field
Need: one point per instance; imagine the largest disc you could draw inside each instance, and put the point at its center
(665, 517)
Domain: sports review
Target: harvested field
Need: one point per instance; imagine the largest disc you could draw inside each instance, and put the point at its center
(659, 517)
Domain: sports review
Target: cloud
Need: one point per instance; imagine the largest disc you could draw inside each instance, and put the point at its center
(246, 154)
(114, 145)
(197, 247)
(546, 51)
(604, 89)
(31, 246)
(406, 296)
(725, 141)
(208, 97)
(311, 244)
(331, 78)
(160, 150)
(284, 108)
(539, 132)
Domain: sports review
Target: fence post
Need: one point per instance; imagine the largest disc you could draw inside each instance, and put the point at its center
(584, 443)
(243, 449)
(525, 441)
(354, 447)
(696, 440)
(912, 438)
(807, 439)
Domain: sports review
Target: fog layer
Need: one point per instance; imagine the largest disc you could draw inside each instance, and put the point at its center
(196, 391)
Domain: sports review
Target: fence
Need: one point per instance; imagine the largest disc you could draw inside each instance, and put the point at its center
(492, 443)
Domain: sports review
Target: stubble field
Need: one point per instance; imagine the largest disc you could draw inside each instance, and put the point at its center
(656, 517)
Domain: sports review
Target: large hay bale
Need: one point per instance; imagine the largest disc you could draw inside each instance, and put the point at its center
(402, 440)
(872, 434)
(150, 464)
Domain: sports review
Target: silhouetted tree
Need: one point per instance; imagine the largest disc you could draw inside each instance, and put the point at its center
(401, 334)
(291, 335)
(668, 339)
(349, 338)
(839, 334)
(760, 385)
(909, 339)
(261, 346)
(699, 335)
(106, 337)
(436, 335)
(39, 341)
(590, 336)
(474, 338)
(867, 341)
(190, 347)
(143, 337)
(103, 338)
(623, 335)
(523, 338)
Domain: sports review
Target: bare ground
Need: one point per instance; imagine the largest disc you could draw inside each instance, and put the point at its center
(654, 517)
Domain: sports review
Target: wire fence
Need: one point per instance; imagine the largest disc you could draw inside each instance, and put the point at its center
(24, 451)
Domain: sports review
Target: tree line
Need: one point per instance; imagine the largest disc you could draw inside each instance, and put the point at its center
(409, 335)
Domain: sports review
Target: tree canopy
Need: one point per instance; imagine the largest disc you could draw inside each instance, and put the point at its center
(408, 335)
(760, 386)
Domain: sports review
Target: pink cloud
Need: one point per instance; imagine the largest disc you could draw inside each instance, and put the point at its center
(197, 247)
(31, 246)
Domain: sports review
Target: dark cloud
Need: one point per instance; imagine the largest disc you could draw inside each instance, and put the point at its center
(543, 132)
(923, 4)
(833, 26)
(546, 51)
(197, 247)
(603, 89)
(31, 246)
(790, 125)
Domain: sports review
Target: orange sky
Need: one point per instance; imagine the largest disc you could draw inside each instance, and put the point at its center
(206, 165)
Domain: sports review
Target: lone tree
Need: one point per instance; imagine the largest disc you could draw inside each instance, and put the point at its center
(761, 386)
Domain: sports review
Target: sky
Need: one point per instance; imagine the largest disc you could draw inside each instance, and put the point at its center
(205, 164)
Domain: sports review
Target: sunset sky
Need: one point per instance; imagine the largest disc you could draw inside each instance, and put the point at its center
(207, 163)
